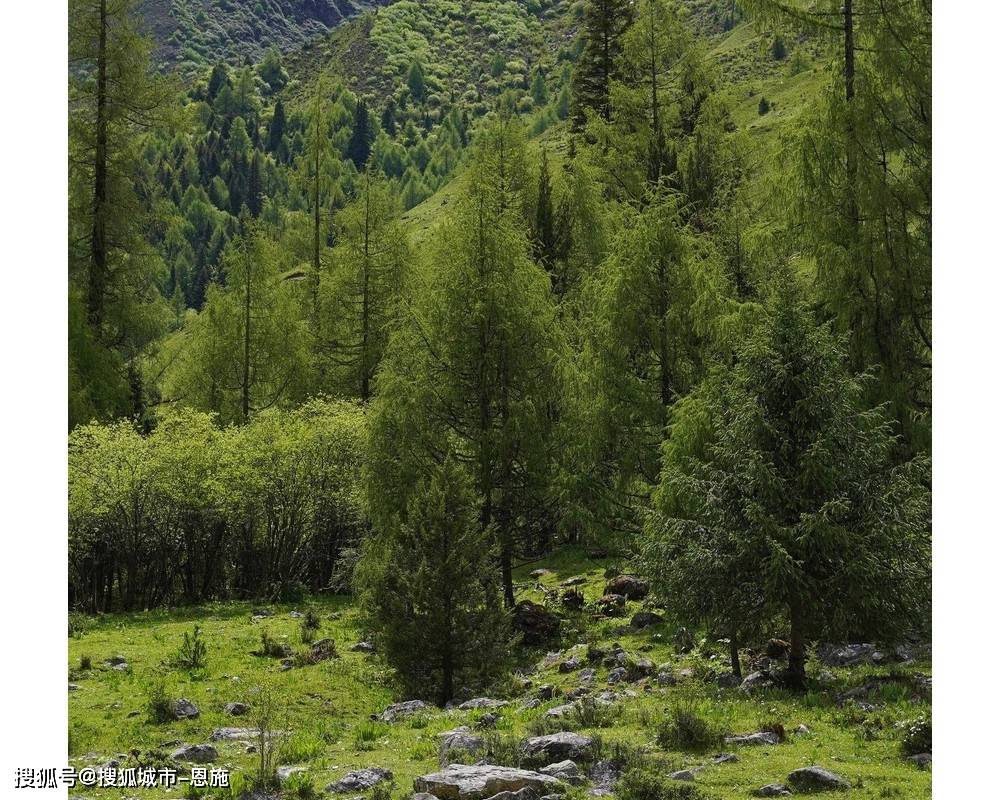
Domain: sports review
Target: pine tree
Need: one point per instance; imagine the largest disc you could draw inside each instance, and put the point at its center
(276, 130)
(415, 81)
(539, 91)
(604, 22)
(359, 147)
(389, 118)
(429, 591)
(779, 495)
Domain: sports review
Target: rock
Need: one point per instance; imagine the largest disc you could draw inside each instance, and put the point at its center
(617, 675)
(810, 779)
(664, 678)
(727, 680)
(459, 740)
(641, 668)
(557, 747)
(572, 598)
(757, 680)
(777, 649)
(185, 709)
(322, 650)
(605, 774)
(363, 647)
(423, 796)
(538, 573)
(234, 734)
(360, 781)
(536, 623)
(802, 729)
(753, 739)
(629, 586)
(645, 619)
(682, 775)
(773, 790)
(545, 691)
(73, 687)
(283, 773)
(487, 721)
(261, 613)
(115, 661)
(570, 664)
(482, 702)
(476, 782)
(560, 711)
(197, 753)
(587, 675)
(683, 640)
(725, 758)
(576, 580)
(236, 709)
(530, 703)
(847, 655)
(613, 605)
(401, 710)
(920, 760)
(521, 794)
(578, 692)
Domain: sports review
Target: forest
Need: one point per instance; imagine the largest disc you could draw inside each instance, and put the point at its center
(392, 316)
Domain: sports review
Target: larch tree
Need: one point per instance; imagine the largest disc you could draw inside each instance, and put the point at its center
(604, 22)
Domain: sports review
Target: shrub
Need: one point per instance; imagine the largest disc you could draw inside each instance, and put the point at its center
(917, 738)
(300, 786)
(85, 662)
(684, 729)
(194, 652)
(311, 620)
(160, 708)
(307, 634)
(653, 783)
(271, 647)
(763, 106)
(502, 749)
(367, 734)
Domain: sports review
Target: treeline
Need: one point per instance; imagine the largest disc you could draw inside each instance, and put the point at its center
(194, 512)
(649, 341)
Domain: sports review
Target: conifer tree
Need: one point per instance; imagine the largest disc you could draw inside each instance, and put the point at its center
(276, 130)
(604, 22)
(415, 81)
(780, 496)
(359, 147)
(429, 590)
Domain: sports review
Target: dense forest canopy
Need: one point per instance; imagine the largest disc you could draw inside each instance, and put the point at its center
(570, 284)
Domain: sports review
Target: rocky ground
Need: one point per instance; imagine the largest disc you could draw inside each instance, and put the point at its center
(609, 696)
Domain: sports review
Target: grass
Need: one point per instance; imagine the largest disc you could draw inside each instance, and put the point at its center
(326, 707)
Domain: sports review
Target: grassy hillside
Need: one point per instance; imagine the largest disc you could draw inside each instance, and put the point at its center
(192, 33)
(326, 708)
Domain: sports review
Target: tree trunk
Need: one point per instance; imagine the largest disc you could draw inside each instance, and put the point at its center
(98, 276)
(245, 387)
(734, 655)
(796, 678)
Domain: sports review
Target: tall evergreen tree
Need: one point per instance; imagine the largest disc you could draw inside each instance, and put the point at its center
(359, 147)
(276, 130)
(604, 22)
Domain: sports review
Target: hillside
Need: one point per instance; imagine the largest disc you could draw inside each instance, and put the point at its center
(852, 721)
(190, 34)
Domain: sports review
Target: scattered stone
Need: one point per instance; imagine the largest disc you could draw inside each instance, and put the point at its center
(295, 614)
(566, 771)
(479, 781)
(802, 729)
(645, 619)
(753, 739)
(545, 691)
(605, 775)
(572, 598)
(570, 664)
(757, 680)
(773, 790)
(666, 678)
(459, 740)
(920, 760)
(360, 781)
(560, 711)
(401, 710)
(536, 623)
(261, 613)
(629, 586)
(197, 753)
(725, 758)
(363, 647)
(728, 680)
(133, 714)
(682, 775)
(531, 703)
(322, 650)
(847, 655)
(115, 661)
(557, 747)
(236, 709)
(587, 675)
(641, 668)
(613, 605)
(185, 709)
(815, 778)
(234, 734)
(285, 772)
(482, 702)
(576, 580)
(538, 573)
(487, 721)
(685, 673)
(521, 794)
(73, 687)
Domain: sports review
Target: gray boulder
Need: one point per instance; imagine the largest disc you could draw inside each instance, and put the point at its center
(628, 586)
(753, 739)
(682, 775)
(847, 655)
(920, 760)
(396, 710)
(283, 773)
(185, 709)
(236, 709)
(459, 740)
(725, 758)
(812, 779)
(360, 781)
(566, 771)
(197, 753)
(758, 679)
(773, 790)
(605, 774)
(480, 781)
(482, 702)
(362, 647)
(557, 747)
(645, 619)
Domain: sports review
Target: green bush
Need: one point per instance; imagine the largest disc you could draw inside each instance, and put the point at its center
(917, 738)
(85, 662)
(160, 708)
(684, 729)
(194, 652)
(653, 783)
